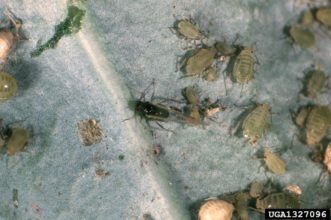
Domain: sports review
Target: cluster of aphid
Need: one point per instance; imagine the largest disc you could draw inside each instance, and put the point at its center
(302, 33)
(12, 138)
(257, 198)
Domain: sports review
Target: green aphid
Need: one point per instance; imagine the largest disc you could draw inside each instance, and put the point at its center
(186, 28)
(273, 162)
(256, 122)
(210, 74)
(243, 69)
(315, 81)
(71, 25)
(8, 86)
(307, 18)
(324, 16)
(302, 36)
(317, 124)
(280, 200)
(17, 141)
(199, 61)
(192, 94)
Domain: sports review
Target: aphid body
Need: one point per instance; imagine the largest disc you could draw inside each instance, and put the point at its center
(216, 209)
(191, 94)
(255, 189)
(317, 124)
(302, 36)
(301, 116)
(225, 49)
(256, 122)
(8, 86)
(324, 16)
(307, 18)
(187, 29)
(201, 59)
(280, 200)
(243, 69)
(241, 205)
(315, 82)
(273, 162)
(17, 141)
(210, 74)
(327, 157)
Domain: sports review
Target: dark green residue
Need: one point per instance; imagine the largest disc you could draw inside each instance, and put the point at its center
(121, 157)
(70, 25)
(15, 198)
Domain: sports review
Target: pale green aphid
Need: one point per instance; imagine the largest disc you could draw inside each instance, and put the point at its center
(187, 29)
(280, 200)
(201, 59)
(302, 36)
(315, 81)
(8, 86)
(273, 162)
(324, 16)
(243, 69)
(17, 141)
(256, 122)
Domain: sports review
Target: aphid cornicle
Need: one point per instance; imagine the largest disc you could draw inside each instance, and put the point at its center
(216, 209)
(8, 86)
(317, 124)
(315, 81)
(256, 122)
(197, 63)
(280, 200)
(243, 68)
(302, 36)
(273, 162)
(324, 16)
(17, 141)
(187, 29)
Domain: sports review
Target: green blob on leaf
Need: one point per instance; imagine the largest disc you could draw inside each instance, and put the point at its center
(71, 25)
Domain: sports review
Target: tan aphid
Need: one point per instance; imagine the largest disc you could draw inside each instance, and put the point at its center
(307, 18)
(187, 29)
(8, 86)
(293, 189)
(273, 162)
(210, 74)
(327, 157)
(192, 94)
(255, 190)
(324, 16)
(17, 141)
(90, 131)
(216, 209)
(317, 124)
(241, 205)
(301, 116)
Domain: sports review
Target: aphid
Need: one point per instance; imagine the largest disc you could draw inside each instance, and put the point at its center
(255, 190)
(301, 116)
(197, 63)
(327, 157)
(192, 94)
(294, 189)
(241, 205)
(216, 209)
(90, 131)
(210, 74)
(8, 86)
(17, 140)
(324, 16)
(256, 122)
(186, 28)
(302, 36)
(243, 69)
(225, 49)
(317, 124)
(193, 112)
(280, 200)
(307, 18)
(273, 162)
(315, 81)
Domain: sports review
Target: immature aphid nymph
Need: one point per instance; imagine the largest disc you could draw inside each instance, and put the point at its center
(17, 141)
(201, 59)
(243, 69)
(273, 162)
(8, 86)
(324, 16)
(317, 124)
(255, 189)
(307, 18)
(256, 122)
(241, 205)
(301, 116)
(315, 81)
(186, 28)
(216, 209)
(280, 200)
(302, 36)
(192, 94)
